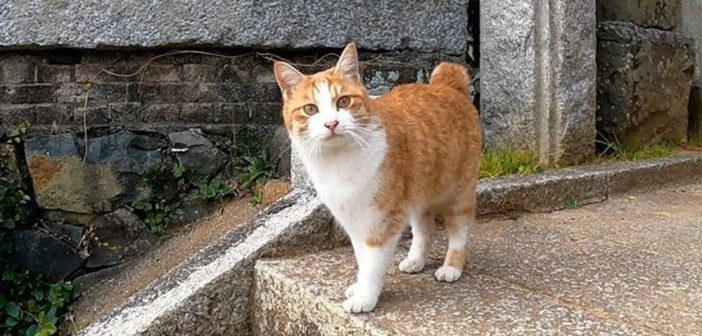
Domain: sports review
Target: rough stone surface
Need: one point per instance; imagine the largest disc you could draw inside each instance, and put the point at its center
(42, 254)
(695, 110)
(208, 294)
(627, 266)
(118, 236)
(419, 25)
(554, 190)
(662, 14)
(198, 155)
(691, 26)
(537, 87)
(644, 84)
(107, 179)
(298, 173)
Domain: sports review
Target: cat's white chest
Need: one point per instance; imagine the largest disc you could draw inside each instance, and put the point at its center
(347, 184)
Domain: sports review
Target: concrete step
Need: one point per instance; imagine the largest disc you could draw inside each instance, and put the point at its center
(627, 266)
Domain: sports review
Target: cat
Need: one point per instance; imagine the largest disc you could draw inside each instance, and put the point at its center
(377, 164)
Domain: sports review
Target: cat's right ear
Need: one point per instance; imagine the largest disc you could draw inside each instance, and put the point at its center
(287, 77)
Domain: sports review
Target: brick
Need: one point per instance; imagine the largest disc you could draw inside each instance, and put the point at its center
(17, 69)
(46, 114)
(221, 93)
(204, 73)
(161, 113)
(108, 93)
(202, 113)
(266, 113)
(163, 73)
(162, 93)
(95, 115)
(38, 114)
(15, 114)
(263, 92)
(126, 113)
(236, 113)
(26, 93)
(49, 73)
(93, 72)
(71, 93)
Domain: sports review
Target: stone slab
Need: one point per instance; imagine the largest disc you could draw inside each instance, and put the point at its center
(626, 266)
(644, 84)
(537, 87)
(303, 296)
(424, 25)
(661, 14)
(555, 189)
(612, 259)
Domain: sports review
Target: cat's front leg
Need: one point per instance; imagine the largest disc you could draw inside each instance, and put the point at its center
(373, 262)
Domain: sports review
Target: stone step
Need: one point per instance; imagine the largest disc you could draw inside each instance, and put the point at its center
(627, 266)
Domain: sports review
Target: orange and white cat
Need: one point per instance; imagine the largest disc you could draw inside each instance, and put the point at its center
(378, 164)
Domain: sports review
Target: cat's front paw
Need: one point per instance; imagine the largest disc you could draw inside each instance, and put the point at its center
(447, 274)
(350, 290)
(360, 304)
(412, 265)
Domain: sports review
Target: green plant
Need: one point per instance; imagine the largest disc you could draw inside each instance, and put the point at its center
(612, 148)
(508, 162)
(572, 204)
(259, 169)
(28, 305)
(255, 164)
(158, 204)
(215, 189)
(16, 133)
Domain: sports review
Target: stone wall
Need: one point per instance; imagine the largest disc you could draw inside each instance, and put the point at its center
(645, 69)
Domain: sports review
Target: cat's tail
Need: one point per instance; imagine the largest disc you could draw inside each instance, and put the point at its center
(452, 75)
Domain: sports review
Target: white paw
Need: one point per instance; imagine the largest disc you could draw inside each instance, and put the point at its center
(359, 304)
(447, 274)
(412, 265)
(350, 290)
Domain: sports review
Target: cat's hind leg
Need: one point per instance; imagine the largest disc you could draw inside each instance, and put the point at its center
(458, 219)
(423, 227)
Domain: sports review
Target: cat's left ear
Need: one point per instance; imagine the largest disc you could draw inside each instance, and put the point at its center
(347, 65)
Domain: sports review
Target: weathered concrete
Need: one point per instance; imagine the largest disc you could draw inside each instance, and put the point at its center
(424, 25)
(628, 266)
(553, 190)
(537, 85)
(644, 84)
(662, 14)
(208, 294)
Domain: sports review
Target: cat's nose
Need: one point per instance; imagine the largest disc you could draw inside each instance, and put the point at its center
(331, 125)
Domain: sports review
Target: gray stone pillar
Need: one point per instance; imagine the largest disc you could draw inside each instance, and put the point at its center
(538, 77)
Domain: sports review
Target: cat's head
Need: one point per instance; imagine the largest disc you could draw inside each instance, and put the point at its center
(328, 108)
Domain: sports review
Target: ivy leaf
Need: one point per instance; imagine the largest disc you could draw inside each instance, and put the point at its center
(8, 223)
(38, 294)
(12, 310)
(3, 301)
(10, 322)
(32, 330)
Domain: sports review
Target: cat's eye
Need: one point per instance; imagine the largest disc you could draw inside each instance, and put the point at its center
(310, 109)
(343, 102)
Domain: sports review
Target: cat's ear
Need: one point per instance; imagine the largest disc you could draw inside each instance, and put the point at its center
(347, 65)
(287, 77)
